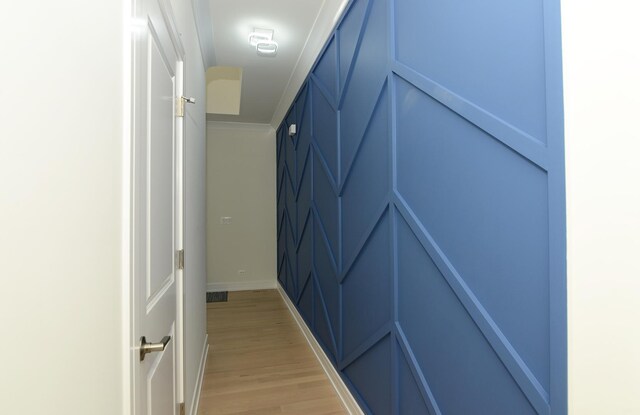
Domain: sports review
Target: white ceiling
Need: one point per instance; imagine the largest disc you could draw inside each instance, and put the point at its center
(269, 84)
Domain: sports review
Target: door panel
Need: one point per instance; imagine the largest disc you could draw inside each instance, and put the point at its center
(160, 393)
(157, 207)
(160, 144)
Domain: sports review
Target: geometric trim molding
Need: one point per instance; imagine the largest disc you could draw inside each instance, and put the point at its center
(421, 206)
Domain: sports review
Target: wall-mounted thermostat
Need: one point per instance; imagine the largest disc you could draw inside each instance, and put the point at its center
(292, 130)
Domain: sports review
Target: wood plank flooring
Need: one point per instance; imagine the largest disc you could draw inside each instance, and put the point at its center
(260, 363)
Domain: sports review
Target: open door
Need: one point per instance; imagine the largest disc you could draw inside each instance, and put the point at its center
(157, 207)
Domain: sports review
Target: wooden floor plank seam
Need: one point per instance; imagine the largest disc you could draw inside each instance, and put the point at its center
(260, 363)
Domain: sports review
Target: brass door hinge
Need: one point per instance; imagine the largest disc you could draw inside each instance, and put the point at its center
(182, 408)
(180, 101)
(180, 259)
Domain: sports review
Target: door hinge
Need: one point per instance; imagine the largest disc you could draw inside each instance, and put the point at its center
(180, 101)
(180, 259)
(182, 408)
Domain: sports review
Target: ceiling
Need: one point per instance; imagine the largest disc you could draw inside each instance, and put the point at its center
(269, 84)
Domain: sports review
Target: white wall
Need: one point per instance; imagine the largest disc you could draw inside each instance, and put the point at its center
(241, 184)
(64, 124)
(195, 209)
(601, 61)
(61, 164)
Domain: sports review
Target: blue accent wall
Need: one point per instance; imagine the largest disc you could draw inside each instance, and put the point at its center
(421, 228)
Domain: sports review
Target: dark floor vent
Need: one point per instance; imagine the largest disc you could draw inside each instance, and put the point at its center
(218, 297)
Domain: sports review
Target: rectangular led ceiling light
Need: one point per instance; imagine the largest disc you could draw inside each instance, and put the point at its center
(260, 35)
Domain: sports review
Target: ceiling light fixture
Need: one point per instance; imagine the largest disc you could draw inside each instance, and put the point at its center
(263, 41)
(267, 48)
(260, 35)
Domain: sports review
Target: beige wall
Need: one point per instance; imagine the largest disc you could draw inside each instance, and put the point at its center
(224, 87)
(241, 184)
(601, 62)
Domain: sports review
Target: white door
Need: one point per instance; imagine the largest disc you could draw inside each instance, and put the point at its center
(157, 209)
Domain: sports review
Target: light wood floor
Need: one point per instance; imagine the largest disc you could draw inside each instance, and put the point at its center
(259, 361)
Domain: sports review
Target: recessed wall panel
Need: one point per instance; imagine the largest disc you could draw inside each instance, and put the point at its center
(490, 53)
(486, 208)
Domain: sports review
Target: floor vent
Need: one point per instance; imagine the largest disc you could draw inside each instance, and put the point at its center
(219, 297)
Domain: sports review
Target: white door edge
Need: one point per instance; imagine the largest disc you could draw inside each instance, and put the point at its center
(129, 342)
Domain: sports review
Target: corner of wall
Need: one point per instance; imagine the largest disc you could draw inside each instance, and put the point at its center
(322, 29)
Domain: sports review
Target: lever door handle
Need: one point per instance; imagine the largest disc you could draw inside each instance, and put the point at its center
(152, 347)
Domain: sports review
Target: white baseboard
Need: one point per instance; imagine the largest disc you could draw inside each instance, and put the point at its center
(195, 402)
(241, 285)
(348, 401)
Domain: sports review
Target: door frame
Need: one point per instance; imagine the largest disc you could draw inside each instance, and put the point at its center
(130, 342)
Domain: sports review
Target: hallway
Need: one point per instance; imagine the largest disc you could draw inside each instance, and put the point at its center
(260, 363)
(446, 192)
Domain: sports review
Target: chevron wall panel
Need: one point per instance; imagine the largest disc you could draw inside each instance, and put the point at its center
(421, 206)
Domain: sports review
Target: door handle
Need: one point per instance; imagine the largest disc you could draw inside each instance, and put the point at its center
(152, 347)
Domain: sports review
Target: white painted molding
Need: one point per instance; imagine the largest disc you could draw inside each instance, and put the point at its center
(348, 401)
(195, 402)
(228, 125)
(322, 29)
(241, 285)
